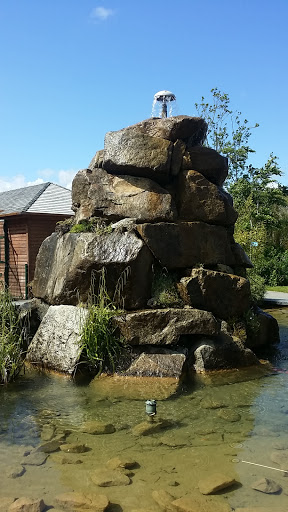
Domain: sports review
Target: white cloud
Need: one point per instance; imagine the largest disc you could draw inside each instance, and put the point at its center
(17, 181)
(60, 177)
(101, 13)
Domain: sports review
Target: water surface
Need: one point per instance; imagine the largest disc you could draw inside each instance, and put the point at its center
(217, 423)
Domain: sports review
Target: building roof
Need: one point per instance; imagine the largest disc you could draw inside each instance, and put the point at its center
(43, 198)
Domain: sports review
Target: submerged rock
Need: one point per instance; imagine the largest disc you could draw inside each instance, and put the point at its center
(77, 500)
(109, 478)
(215, 482)
(267, 486)
(164, 500)
(147, 428)
(27, 505)
(192, 503)
(97, 428)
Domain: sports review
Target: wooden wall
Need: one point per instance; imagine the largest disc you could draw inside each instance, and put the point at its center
(25, 234)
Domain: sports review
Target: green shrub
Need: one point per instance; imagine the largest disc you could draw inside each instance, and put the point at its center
(257, 286)
(101, 345)
(164, 291)
(93, 225)
(11, 339)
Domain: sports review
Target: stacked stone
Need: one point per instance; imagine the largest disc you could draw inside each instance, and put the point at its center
(161, 193)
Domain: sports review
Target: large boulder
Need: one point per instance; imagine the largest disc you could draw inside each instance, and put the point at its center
(65, 266)
(56, 344)
(97, 193)
(265, 332)
(137, 155)
(186, 244)
(165, 326)
(200, 200)
(208, 162)
(221, 353)
(225, 295)
(158, 365)
(192, 130)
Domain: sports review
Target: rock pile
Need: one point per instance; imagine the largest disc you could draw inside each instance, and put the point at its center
(165, 233)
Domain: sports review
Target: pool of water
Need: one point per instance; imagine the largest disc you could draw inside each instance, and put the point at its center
(232, 422)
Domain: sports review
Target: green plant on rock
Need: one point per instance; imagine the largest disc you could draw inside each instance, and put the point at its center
(93, 225)
(164, 291)
(11, 339)
(101, 345)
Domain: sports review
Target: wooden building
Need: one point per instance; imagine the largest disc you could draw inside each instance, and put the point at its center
(27, 216)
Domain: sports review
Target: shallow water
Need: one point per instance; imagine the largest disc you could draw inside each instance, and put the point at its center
(202, 440)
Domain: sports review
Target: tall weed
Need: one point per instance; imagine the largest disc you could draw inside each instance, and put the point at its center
(101, 345)
(11, 339)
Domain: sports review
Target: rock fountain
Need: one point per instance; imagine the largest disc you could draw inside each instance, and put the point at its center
(166, 224)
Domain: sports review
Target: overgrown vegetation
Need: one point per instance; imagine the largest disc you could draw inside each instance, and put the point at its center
(101, 345)
(259, 198)
(164, 291)
(93, 225)
(11, 339)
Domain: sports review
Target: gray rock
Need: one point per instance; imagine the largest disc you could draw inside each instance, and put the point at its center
(64, 266)
(223, 352)
(165, 326)
(267, 486)
(50, 446)
(137, 155)
(157, 365)
(200, 200)
(191, 130)
(97, 160)
(267, 332)
(57, 342)
(201, 290)
(34, 459)
(186, 244)
(208, 162)
(115, 197)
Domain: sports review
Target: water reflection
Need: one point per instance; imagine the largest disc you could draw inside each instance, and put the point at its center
(220, 421)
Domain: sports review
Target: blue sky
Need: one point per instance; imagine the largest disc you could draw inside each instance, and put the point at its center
(71, 70)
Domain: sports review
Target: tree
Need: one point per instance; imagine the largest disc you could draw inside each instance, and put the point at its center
(227, 132)
(260, 200)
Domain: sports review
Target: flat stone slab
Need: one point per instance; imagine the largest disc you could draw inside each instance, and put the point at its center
(74, 448)
(77, 500)
(190, 503)
(157, 365)
(109, 478)
(214, 483)
(165, 326)
(34, 459)
(164, 500)
(186, 244)
(24, 504)
(147, 428)
(97, 428)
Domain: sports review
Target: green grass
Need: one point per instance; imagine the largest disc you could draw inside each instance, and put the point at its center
(101, 345)
(283, 289)
(11, 339)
